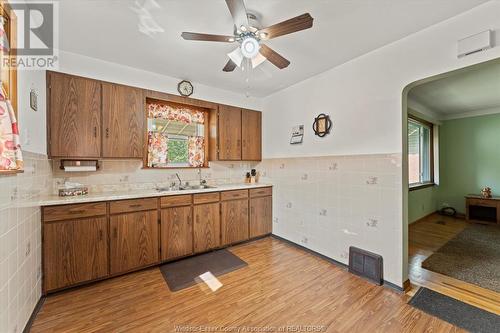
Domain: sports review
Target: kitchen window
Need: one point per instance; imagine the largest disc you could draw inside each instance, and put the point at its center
(177, 135)
(420, 153)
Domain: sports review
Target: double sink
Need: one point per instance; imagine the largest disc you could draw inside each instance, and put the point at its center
(184, 188)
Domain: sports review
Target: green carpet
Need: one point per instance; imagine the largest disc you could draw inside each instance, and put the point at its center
(472, 256)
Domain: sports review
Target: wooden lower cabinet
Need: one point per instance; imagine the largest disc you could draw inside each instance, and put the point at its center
(176, 232)
(234, 223)
(133, 241)
(261, 216)
(74, 251)
(206, 232)
(92, 241)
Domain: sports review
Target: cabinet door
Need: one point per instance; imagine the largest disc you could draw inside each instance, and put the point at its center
(251, 135)
(234, 221)
(261, 216)
(134, 240)
(206, 227)
(229, 133)
(123, 119)
(74, 251)
(74, 116)
(176, 232)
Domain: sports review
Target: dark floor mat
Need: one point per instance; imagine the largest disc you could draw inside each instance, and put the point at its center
(183, 273)
(455, 312)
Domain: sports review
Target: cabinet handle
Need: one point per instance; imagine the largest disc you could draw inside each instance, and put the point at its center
(107, 132)
(77, 212)
(135, 206)
(244, 143)
(100, 235)
(95, 132)
(115, 232)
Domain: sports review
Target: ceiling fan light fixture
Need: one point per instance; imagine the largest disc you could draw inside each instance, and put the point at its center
(257, 60)
(236, 56)
(250, 47)
(263, 35)
(243, 28)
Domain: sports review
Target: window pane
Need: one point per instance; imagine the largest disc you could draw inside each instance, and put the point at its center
(176, 135)
(425, 155)
(177, 151)
(413, 152)
(419, 152)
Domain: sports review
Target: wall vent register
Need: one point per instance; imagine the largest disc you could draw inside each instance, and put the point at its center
(366, 264)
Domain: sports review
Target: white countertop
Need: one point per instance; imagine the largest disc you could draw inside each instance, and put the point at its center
(53, 200)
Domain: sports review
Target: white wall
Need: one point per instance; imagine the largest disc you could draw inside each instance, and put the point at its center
(364, 99)
(33, 124)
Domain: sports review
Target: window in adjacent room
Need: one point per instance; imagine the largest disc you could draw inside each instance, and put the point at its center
(176, 136)
(420, 153)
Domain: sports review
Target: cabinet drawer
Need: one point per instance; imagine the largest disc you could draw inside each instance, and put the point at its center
(230, 195)
(482, 202)
(67, 212)
(133, 205)
(176, 201)
(206, 198)
(261, 192)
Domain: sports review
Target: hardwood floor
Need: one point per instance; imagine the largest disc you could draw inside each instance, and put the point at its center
(427, 236)
(282, 285)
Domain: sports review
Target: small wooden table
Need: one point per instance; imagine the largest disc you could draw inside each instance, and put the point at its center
(482, 210)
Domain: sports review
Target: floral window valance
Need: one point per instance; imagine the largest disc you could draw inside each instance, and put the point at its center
(176, 136)
(180, 113)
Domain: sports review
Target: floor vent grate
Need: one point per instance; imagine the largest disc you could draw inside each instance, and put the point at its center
(366, 264)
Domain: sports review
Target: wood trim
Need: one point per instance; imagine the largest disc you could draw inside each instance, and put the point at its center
(206, 111)
(423, 218)
(420, 187)
(10, 172)
(407, 286)
(431, 144)
(11, 31)
(34, 313)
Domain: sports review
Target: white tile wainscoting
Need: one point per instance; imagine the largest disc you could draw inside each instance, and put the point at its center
(20, 241)
(329, 203)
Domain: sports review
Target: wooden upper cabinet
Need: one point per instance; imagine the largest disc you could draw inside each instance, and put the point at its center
(123, 121)
(74, 116)
(133, 241)
(251, 135)
(74, 251)
(229, 133)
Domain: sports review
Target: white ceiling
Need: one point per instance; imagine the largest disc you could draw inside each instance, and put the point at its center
(470, 91)
(343, 30)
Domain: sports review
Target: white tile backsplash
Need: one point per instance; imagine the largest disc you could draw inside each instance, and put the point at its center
(20, 241)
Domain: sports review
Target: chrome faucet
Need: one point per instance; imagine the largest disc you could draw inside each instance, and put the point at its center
(180, 181)
(202, 181)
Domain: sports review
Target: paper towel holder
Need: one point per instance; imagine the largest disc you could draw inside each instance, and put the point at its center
(79, 163)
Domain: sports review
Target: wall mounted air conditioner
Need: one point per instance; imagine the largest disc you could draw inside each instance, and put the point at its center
(475, 43)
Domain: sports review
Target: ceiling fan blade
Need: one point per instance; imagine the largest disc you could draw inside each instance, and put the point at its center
(274, 57)
(301, 22)
(238, 12)
(230, 66)
(207, 37)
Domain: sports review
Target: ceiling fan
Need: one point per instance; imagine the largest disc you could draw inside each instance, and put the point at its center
(250, 37)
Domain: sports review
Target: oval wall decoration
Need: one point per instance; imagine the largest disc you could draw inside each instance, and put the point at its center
(322, 125)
